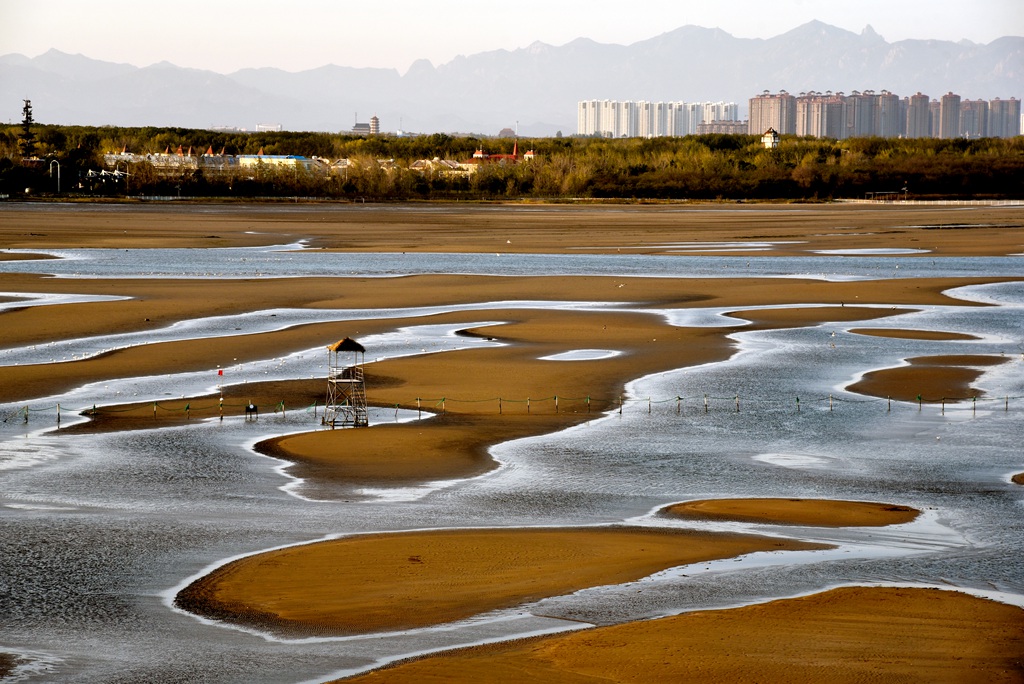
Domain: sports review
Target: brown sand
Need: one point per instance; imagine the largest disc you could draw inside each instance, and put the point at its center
(24, 256)
(384, 582)
(932, 378)
(522, 227)
(849, 635)
(466, 429)
(770, 319)
(7, 664)
(795, 512)
(449, 447)
(270, 398)
(937, 335)
(155, 304)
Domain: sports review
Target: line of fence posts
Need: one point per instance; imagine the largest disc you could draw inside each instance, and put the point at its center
(251, 411)
(621, 403)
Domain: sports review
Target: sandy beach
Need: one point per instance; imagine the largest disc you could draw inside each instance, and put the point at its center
(507, 391)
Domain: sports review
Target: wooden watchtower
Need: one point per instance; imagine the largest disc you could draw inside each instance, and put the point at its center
(346, 390)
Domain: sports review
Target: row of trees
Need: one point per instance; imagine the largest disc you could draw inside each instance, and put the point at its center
(692, 167)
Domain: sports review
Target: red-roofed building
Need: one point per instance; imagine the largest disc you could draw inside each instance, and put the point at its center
(481, 157)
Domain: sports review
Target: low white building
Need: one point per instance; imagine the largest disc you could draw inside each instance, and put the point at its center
(288, 161)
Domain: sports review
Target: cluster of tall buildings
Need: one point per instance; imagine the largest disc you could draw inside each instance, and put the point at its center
(820, 115)
(886, 115)
(642, 119)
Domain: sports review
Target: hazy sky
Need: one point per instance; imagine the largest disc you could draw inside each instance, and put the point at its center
(226, 35)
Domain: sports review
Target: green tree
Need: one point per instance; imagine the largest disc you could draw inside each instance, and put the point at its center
(51, 142)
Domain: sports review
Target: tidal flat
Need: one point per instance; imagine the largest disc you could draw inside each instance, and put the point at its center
(733, 367)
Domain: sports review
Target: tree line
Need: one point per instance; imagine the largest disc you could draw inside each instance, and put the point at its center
(701, 167)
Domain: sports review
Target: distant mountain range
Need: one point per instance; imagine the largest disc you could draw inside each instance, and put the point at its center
(536, 87)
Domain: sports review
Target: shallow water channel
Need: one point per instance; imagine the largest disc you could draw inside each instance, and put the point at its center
(100, 531)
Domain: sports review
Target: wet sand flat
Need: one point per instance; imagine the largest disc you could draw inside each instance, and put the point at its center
(525, 227)
(483, 396)
(854, 634)
(897, 334)
(779, 636)
(155, 304)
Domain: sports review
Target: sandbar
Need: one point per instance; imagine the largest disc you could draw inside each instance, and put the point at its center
(899, 334)
(817, 512)
(947, 378)
(384, 582)
(24, 256)
(798, 317)
(846, 635)
(269, 398)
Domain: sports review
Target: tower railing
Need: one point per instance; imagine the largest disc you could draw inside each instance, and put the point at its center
(346, 390)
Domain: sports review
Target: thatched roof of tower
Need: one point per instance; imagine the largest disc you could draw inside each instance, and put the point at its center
(347, 344)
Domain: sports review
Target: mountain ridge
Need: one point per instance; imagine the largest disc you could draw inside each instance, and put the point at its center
(534, 88)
